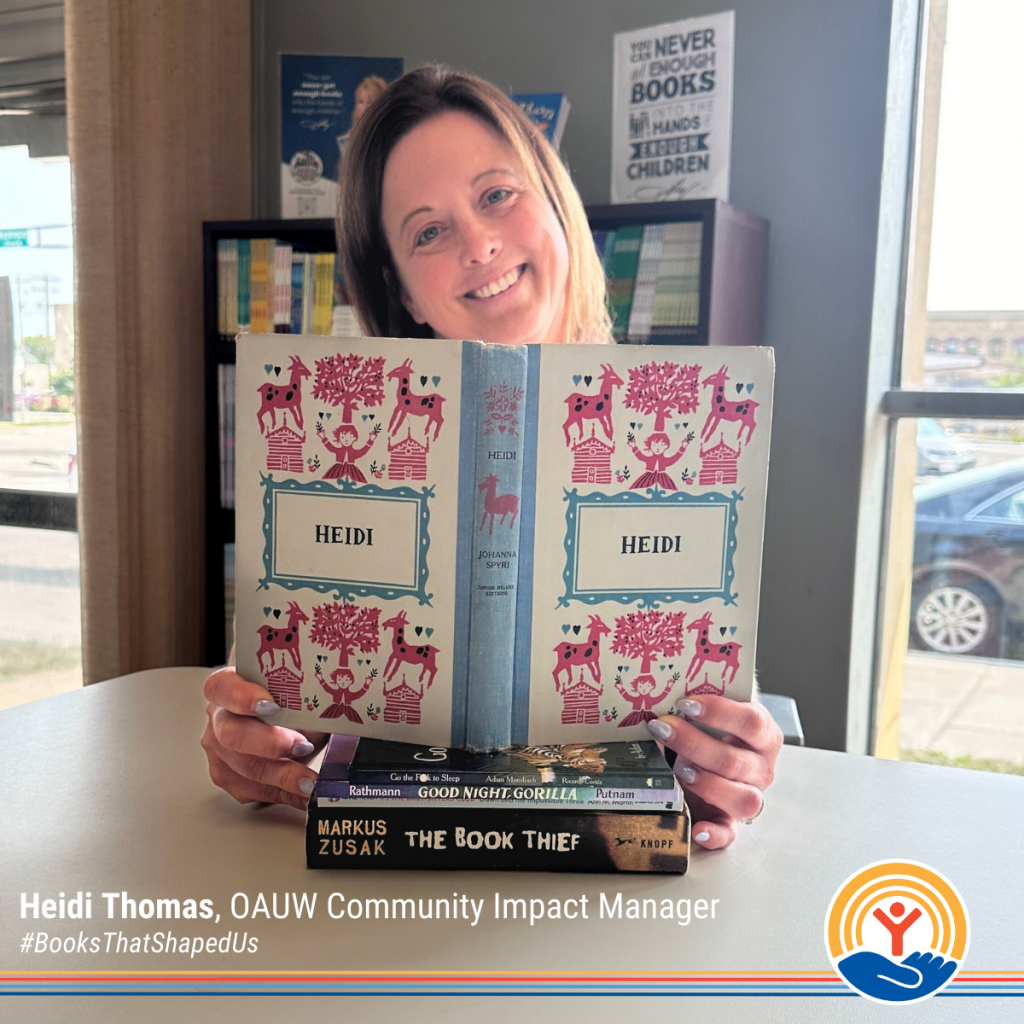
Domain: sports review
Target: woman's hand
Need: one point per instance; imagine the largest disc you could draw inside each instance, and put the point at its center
(724, 779)
(253, 761)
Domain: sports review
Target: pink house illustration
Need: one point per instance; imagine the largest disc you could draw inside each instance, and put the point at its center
(408, 459)
(706, 687)
(580, 704)
(284, 450)
(592, 462)
(286, 687)
(718, 464)
(402, 703)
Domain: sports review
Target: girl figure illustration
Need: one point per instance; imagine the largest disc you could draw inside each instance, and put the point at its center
(343, 696)
(642, 697)
(657, 460)
(345, 451)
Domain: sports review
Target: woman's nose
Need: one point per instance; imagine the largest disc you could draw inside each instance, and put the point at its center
(480, 242)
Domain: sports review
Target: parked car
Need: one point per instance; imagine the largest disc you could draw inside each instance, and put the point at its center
(939, 450)
(968, 575)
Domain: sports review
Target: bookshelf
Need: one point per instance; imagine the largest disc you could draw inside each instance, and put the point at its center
(727, 281)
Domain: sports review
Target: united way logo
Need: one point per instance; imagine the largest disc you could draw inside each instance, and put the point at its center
(897, 931)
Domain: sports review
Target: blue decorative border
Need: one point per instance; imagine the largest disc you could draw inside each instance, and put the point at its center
(346, 589)
(652, 496)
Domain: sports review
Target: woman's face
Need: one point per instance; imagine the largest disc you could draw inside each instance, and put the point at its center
(479, 253)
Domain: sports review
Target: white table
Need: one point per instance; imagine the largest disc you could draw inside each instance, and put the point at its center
(106, 789)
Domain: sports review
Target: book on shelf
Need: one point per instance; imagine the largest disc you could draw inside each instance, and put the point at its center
(584, 776)
(226, 432)
(548, 110)
(475, 545)
(537, 812)
(265, 286)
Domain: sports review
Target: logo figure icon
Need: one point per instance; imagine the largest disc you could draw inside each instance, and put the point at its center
(897, 931)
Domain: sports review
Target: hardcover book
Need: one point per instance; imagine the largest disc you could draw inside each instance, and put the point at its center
(548, 110)
(468, 545)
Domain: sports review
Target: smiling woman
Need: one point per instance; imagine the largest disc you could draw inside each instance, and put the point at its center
(458, 220)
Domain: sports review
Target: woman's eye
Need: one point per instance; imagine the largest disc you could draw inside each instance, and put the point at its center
(497, 195)
(427, 235)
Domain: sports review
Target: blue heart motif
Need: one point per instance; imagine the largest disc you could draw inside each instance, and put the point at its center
(359, 661)
(661, 668)
(328, 415)
(267, 367)
(565, 628)
(576, 378)
(435, 380)
(364, 417)
(677, 425)
(429, 631)
(732, 631)
(639, 426)
(750, 387)
(266, 610)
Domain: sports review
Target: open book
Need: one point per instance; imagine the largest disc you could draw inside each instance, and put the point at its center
(476, 545)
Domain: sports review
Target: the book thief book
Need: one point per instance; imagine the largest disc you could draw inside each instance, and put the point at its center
(474, 545)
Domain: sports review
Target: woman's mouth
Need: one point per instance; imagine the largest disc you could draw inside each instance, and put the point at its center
(502, 284)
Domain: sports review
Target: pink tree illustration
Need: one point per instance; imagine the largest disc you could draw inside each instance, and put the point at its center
(345, 628)
(350, 381)
(661, 389)
(647, 636)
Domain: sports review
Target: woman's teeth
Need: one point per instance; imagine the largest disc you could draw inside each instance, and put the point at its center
(501, 285)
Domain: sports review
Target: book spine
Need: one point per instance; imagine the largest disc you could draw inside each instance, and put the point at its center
(282, 288)
(622, 264)
(244, 283)
(427, 838)
(260, 295)
(501, 405)
(562, 775)
(323, 292)
(231, 299)
(513, 796)
(296, 292)
(646, 280)
(307, 293)
(222, 286)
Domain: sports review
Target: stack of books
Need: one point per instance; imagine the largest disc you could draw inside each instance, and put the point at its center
(570, 807)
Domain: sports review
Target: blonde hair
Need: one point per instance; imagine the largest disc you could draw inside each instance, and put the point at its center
(373, 85)
(367, 267)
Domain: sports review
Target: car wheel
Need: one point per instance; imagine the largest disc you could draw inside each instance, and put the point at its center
(952, 616)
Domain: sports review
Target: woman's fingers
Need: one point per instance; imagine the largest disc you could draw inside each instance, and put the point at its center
(750, 722)
(283, 774)
(711, 754)
(246, 790)
(227, 689)
(246, 735)
(735, 799)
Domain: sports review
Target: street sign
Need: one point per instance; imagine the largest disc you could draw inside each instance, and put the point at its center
(13, 237)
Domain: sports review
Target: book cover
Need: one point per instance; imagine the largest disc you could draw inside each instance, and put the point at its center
(548, 110)
(321, 98)
(672, 110)
(420, 837)
(377, 512)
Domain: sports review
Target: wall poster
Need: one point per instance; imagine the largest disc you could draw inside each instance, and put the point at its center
(672, 111)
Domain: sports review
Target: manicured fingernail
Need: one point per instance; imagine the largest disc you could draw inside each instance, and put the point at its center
(266, 707)
(685, 772)
(659, 730)
(305, 785)
(302, 749)
(702, 837)
(690, 708)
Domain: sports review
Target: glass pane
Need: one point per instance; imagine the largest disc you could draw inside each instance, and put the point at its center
(37, 343)
(40, 624)
(961, 603)
(965, 305)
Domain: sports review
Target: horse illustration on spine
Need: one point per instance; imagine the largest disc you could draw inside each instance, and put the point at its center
(407, 652)
(647, 636)
(581, 700)
(728, 654)
(279, 398)
(741, 412)
(345, 628)
(408, 403)
(348, 381)
(497, 504)
(285, 640)
(592, 407)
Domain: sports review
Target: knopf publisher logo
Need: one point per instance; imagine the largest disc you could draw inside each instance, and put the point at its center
(897, 931)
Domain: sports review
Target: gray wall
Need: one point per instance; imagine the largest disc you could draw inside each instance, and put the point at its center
(808, 133)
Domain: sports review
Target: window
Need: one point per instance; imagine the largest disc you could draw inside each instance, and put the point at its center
(952, 617)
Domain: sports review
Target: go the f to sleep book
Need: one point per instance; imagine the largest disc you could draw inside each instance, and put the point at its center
(467, 545)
